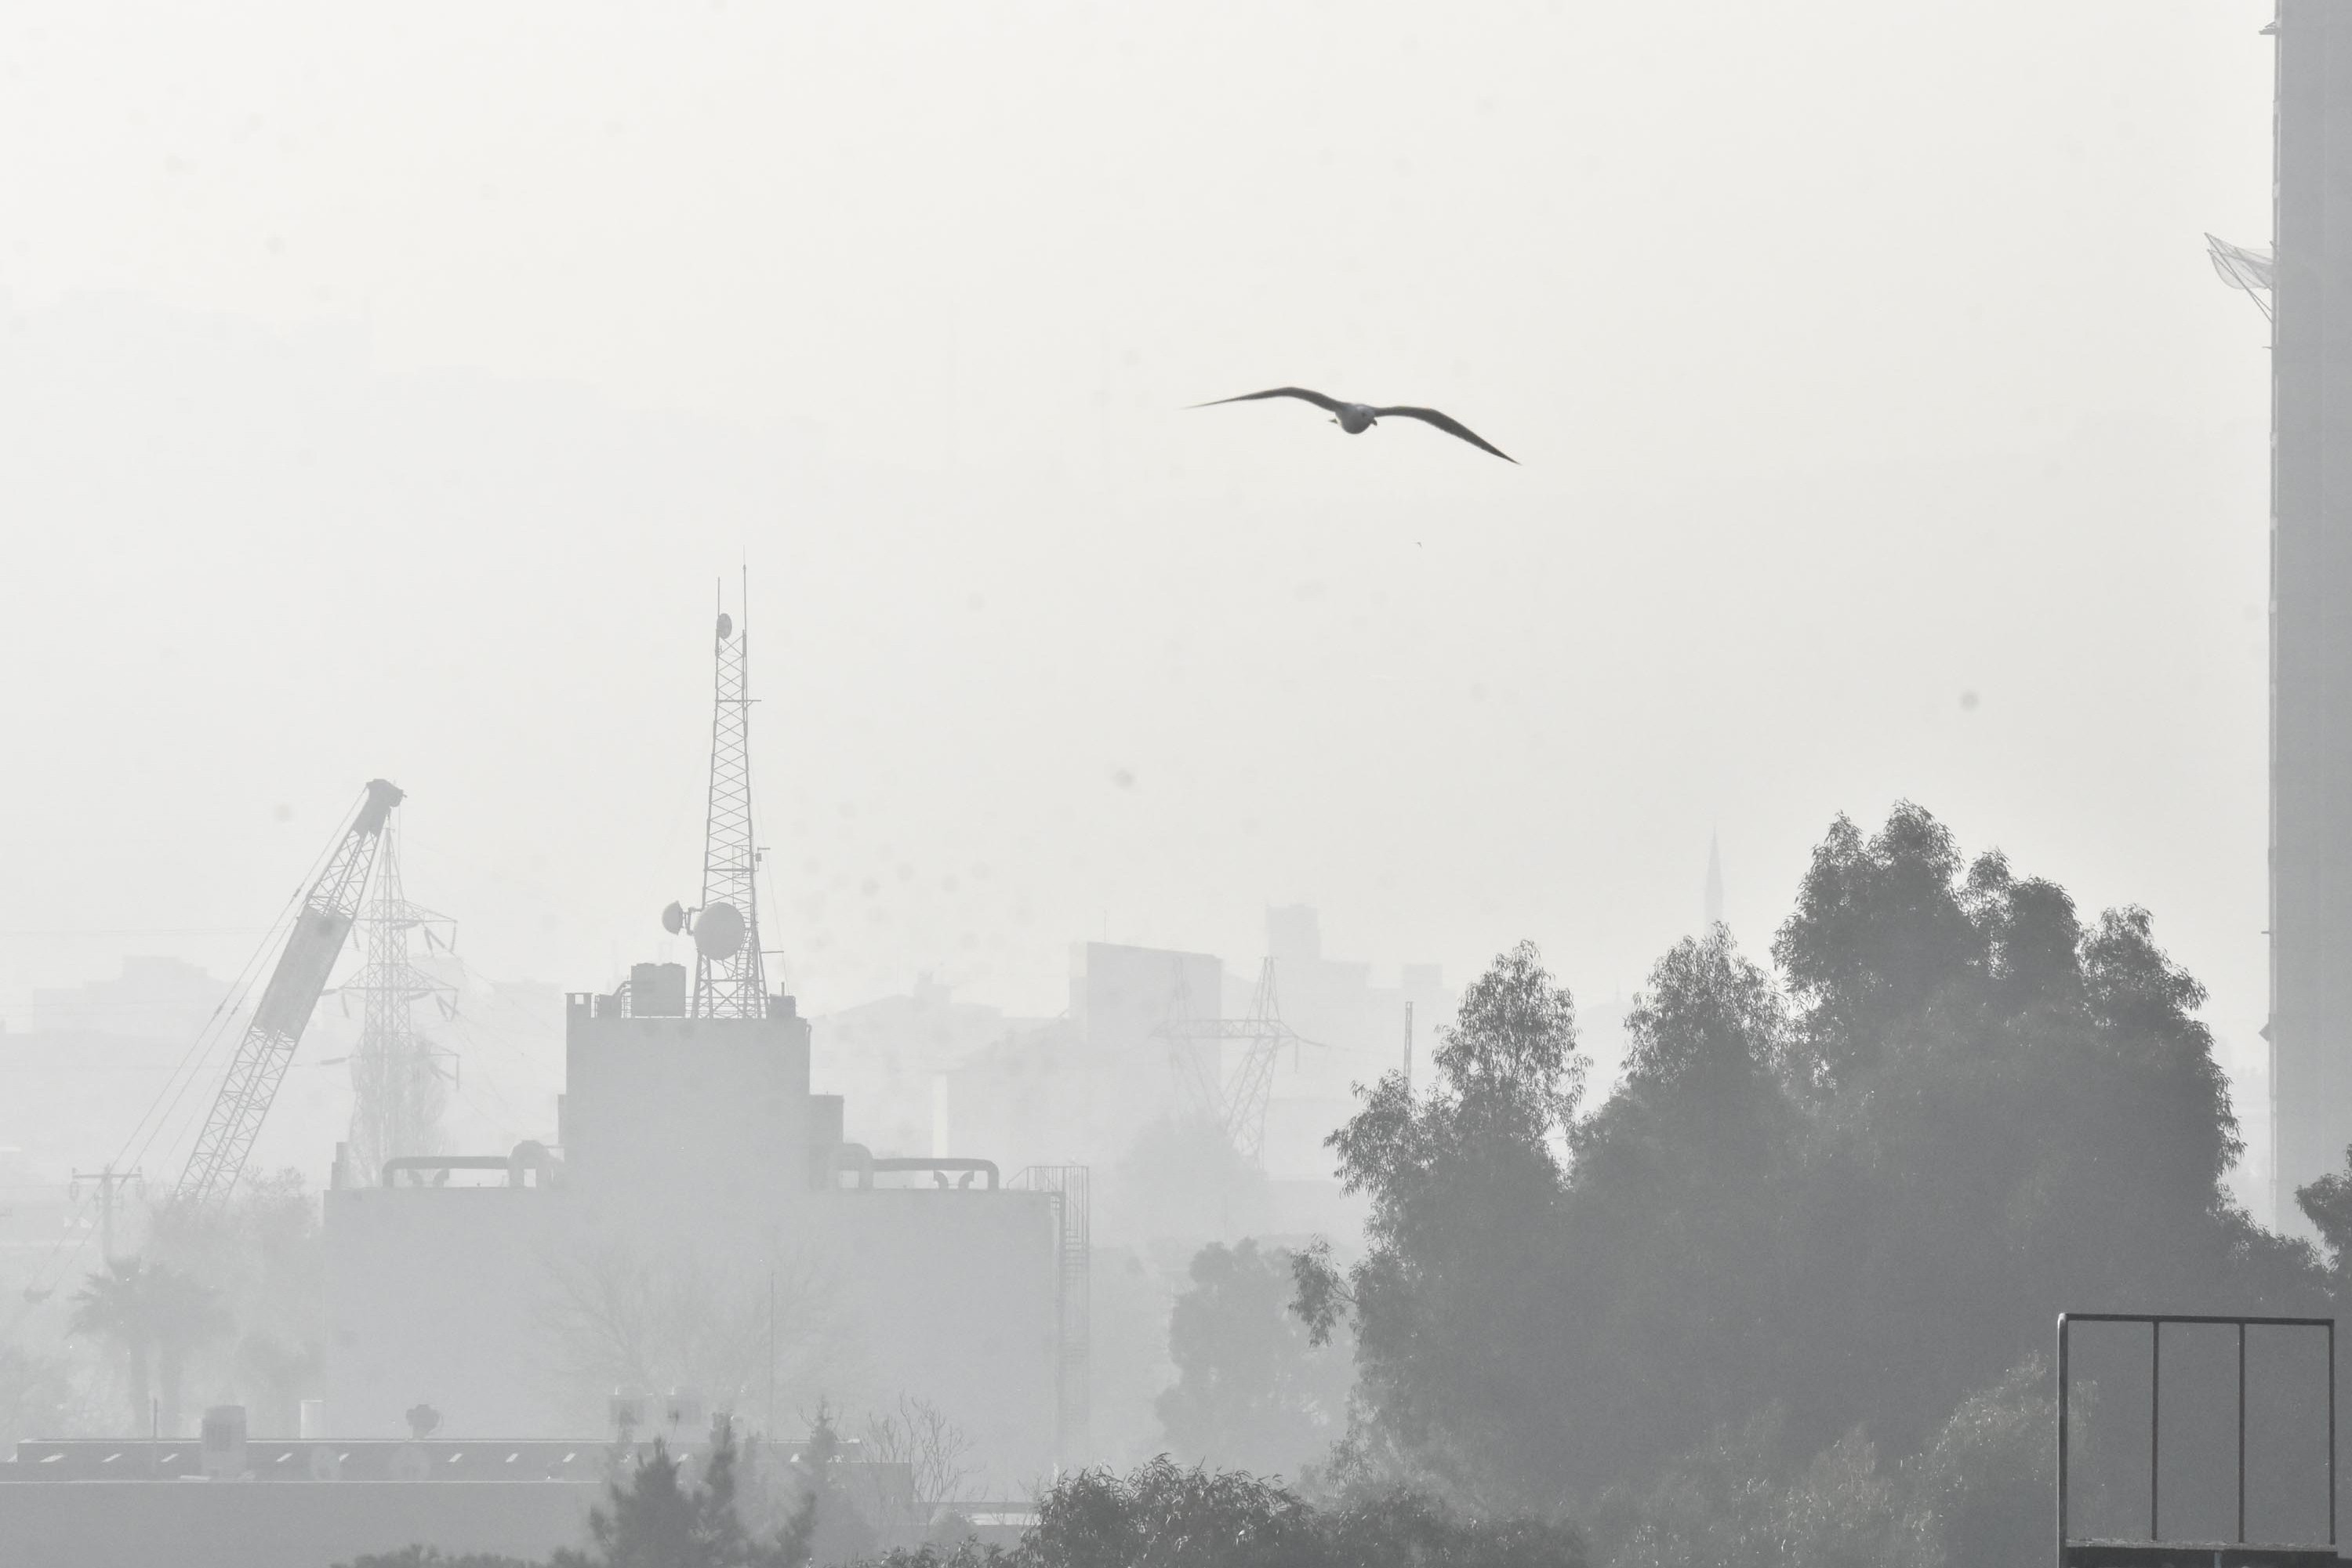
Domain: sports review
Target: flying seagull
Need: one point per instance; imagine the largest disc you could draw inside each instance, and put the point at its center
(1356, 419)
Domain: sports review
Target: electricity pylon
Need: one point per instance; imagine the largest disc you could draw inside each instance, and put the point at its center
(399, 1087)
(1238, 1107)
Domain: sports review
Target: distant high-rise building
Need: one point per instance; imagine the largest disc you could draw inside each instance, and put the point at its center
(2310, 1028)
(1293, 933)
(1713, 881)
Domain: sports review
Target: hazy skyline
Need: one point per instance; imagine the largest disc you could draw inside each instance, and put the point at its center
(387, 400)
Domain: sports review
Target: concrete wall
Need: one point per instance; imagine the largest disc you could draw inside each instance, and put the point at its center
(436, 1295)
(951, 1297)
(454, 1297)
(233, 1524)
(663, 1116)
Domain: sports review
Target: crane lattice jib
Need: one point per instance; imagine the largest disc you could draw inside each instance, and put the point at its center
(286, 1004)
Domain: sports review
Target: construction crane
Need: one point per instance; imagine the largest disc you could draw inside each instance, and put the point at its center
(259, 1067)
(1238, 1108)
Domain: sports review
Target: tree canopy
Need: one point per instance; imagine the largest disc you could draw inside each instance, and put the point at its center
(1250, 1391)
(152, 1314)
(1843, 1197)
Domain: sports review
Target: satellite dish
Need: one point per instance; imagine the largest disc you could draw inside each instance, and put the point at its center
(674, 918)
(726, 625)
(719, 933)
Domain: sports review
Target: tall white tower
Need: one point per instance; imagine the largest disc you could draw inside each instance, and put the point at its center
(2310, 1028)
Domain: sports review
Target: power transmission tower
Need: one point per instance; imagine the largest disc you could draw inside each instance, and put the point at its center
(1198, 1072)
(1239, 1107)
(730, 977)
(399, 1084)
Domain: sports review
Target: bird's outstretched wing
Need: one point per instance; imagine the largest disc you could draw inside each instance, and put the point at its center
(1329, 404)
(1448, 424)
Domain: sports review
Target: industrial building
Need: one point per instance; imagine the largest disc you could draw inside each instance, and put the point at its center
(700, 1221)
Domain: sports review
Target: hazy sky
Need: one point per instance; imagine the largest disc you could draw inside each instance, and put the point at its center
(382, 392)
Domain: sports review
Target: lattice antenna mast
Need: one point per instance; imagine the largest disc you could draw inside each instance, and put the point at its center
(295, 987)
(399, 1088)
(730, 977)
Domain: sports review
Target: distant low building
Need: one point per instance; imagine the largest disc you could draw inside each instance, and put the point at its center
(1088, 1085)
(153, 998)
(891, 1060)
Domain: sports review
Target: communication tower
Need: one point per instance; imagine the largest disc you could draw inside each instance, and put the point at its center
(730, 971)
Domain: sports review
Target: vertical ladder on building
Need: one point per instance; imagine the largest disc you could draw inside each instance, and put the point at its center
(1073, 1298)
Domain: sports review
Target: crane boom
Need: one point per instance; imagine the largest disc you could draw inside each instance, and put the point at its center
(259, 1067)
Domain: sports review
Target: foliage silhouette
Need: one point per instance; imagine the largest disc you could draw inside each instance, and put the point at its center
(657, 1518)
(1163, 1515)
(154, 1315)
(1250, 1392)
(1852, 1203)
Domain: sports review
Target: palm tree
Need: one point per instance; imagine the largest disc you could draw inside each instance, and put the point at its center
(154, 1314)
(185, 1314)
(113, 1307)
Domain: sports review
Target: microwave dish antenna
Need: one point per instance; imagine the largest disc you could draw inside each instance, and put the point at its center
(718, 933)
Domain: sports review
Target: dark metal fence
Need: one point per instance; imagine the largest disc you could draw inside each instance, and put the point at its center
(2079, 1550)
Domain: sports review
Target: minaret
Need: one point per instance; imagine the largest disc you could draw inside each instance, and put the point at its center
(1713, 881)
(730, 981)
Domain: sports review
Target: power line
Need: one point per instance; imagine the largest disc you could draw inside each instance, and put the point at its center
(134, 931)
